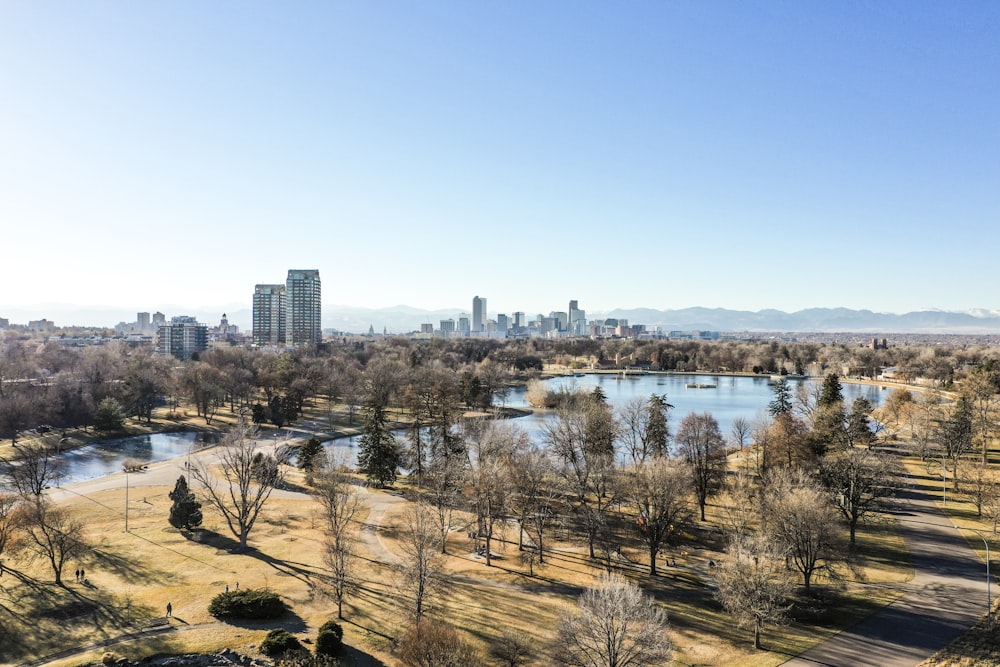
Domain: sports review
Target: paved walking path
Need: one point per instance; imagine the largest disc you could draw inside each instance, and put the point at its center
(946, 596)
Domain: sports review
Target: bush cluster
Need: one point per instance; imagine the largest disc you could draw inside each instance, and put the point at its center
(330, 640)
(279, 641)
(247, 603)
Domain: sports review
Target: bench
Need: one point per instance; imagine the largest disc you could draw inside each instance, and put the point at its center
(159, 622)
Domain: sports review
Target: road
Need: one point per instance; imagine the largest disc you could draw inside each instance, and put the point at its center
(946, 596)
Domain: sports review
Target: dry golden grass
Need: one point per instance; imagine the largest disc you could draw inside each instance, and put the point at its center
(133, 575)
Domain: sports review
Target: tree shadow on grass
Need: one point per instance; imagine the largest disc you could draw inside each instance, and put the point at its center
(288, 621)
(128, 570)
(358, 658)
(222, 542)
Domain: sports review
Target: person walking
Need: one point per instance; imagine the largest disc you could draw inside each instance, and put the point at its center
(170, 610)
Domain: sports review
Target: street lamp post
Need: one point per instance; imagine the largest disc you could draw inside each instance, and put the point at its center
(126, 499)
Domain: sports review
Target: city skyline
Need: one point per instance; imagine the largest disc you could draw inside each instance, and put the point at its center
(744, 156)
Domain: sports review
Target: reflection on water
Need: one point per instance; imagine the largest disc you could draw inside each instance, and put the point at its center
(107, 457)
(731, 397)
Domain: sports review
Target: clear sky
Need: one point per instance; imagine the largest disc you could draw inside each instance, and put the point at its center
(779, 154)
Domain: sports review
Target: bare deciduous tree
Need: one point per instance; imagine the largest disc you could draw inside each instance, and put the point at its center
(657, 490)
(341, 505)
(512, 649)
(35, 467)
(981, 486)
(10, 519)
(590, 474)
(740, 431)
(488, 478)
(444, 476)
(740, 505)
(801, 519)
(862, 481)
(703, 448)
(54, 535)
(752, 583)
(248, 477)
(534, 495)
(616, 625)
(419, 542)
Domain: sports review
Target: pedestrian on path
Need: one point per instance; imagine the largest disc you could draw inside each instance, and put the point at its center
(170, 610)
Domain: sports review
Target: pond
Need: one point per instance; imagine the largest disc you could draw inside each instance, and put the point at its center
(107, 457)
(726, 397)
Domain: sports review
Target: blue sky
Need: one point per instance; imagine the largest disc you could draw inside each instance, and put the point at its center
(665, 154)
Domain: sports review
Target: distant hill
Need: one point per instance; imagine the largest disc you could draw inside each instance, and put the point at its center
(404, 319)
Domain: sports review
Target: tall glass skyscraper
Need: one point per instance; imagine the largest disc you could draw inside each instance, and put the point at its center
(304, 310)
(269, 316)
(478, 314)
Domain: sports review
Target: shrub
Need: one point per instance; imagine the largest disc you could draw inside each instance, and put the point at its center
(279, 641)
(329, 641)
(247, 603)
(432, 644)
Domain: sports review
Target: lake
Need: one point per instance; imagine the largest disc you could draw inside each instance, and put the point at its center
(107, 457)
(731, 397)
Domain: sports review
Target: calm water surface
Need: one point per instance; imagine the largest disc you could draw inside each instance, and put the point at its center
(731, 397)
(107, 457)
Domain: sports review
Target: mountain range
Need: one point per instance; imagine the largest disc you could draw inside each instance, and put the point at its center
(404, 319)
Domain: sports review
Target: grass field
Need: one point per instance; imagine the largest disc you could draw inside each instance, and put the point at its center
(132, 576)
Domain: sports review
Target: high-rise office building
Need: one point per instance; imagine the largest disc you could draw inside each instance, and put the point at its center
(304, 310)
(478, 314)
(577, 319)
(182, 337)
(142, 321)
(269, 317)
(519, 321)
(502, 322)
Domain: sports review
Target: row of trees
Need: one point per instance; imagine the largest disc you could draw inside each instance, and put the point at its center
(50, 384)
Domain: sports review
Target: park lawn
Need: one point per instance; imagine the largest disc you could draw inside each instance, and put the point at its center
(133, 576)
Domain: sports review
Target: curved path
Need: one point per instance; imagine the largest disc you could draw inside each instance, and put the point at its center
(946, 596)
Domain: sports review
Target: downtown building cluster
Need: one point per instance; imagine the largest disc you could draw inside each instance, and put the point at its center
(288, 314)
(568, 323)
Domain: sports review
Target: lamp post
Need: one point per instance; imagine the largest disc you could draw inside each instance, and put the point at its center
(126, 498)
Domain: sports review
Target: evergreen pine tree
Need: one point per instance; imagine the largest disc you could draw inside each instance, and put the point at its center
(378, 455)
(657, 425)
(782, 403)
(832, 393)
(307, 454)
(186, 511)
